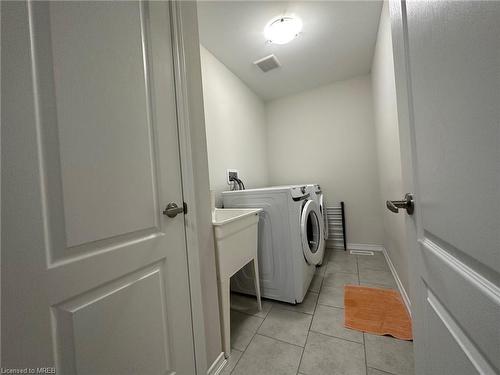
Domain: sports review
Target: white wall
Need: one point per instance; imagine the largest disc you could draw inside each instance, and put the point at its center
(235, 124)
(387, 135)
(326, 136)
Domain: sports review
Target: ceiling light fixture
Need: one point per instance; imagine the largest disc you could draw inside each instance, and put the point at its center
(282, 29)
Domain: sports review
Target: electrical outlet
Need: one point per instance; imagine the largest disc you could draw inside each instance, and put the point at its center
(231, 173)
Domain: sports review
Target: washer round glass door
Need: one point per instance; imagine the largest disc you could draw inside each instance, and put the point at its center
(310, 230)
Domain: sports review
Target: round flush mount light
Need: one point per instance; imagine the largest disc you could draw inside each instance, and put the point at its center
(282, 29)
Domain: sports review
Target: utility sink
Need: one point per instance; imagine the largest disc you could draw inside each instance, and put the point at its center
(222, 217)
(236, 236)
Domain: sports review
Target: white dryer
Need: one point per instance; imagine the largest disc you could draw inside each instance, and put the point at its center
(289, 241)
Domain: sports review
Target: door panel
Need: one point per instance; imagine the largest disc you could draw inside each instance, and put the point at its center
(92, 144)
(130, 312)
(92, 53)
(447, 65)
(465, 303)
(94, 278)
(446, 343)
(454, 57)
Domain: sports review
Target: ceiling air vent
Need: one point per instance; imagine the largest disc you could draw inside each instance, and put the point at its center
(267, 63)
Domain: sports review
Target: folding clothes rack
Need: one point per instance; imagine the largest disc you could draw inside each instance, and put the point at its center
(336, 227)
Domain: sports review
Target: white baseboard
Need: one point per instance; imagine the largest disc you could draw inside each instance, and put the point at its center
(218, 365)
(364, 246)
(401, 288)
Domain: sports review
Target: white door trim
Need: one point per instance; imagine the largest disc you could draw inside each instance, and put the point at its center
(193, 248)
(189, 113)
(218, 365)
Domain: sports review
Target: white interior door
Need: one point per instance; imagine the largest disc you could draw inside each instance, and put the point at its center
(447, 61)
(94, 277)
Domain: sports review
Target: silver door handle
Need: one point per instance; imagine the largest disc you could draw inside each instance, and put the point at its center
(172, 210)
(406, 203)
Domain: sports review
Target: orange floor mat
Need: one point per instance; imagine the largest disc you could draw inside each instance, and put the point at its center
(377, 311)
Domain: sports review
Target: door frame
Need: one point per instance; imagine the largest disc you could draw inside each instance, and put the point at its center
(190, 123)
(399, 35)
(194, 164)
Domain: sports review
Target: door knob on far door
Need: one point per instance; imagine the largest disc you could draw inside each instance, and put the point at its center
(406, 203)
(172, 210)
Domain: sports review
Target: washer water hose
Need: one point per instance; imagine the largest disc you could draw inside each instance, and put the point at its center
(241, 185)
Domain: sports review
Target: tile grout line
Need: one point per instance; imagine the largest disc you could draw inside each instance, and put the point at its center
(310, 324)
(314, 312)
(340, 308)
(249, 314)
(364, 350)
(300, 312)
(280, 340)
(348, 273)
(364, 342)
(279, 306)
(324, 304)
(385, 372)
(253, 336)
(263, 319)
(303, 350)
(238, 361)
(357, 267)
(336, 337)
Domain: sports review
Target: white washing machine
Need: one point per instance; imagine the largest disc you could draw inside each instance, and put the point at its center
(289, 241)
(315, 192)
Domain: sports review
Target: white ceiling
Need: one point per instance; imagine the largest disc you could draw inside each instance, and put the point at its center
(336, 43)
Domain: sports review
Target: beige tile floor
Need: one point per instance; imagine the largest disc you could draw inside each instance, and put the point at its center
(310, 338)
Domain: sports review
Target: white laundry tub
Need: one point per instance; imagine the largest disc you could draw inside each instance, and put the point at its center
(236, 237)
